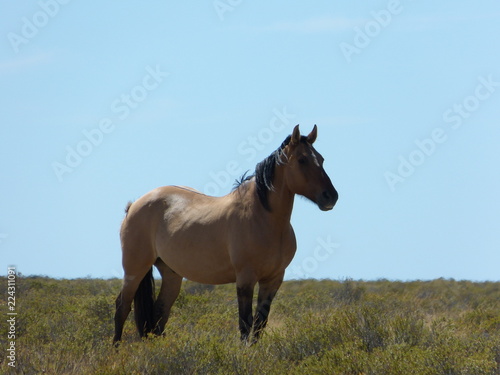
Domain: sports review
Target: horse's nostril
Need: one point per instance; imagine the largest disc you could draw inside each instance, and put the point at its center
(326, 195)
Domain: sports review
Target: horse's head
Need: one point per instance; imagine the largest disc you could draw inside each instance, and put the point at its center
(304, 173)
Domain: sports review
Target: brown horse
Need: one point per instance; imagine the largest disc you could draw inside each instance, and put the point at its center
(243, 237)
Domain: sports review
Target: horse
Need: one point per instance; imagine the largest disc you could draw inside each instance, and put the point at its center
(244, 237)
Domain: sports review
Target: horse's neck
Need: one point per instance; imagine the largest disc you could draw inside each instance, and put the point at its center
(281, 198)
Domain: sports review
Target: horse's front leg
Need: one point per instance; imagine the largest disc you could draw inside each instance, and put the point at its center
(245, 297)
(267, 292)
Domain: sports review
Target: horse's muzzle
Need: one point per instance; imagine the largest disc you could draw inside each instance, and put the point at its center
(327, 200)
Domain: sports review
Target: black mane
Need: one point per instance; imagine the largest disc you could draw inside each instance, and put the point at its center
(264, 173)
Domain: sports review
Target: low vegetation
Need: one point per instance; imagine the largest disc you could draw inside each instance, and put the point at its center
(316, 327)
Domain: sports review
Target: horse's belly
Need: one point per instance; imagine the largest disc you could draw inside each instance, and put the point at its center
(198, 258)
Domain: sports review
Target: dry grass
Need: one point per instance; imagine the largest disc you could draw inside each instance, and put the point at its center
(316, 327)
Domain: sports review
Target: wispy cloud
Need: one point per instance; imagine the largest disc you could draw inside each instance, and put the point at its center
(21, 63)
(329, 24)
(429, 22)
(320, 24)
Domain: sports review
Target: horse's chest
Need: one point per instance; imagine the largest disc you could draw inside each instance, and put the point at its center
(276, 255)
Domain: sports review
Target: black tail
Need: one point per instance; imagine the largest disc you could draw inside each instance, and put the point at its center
(143, 304)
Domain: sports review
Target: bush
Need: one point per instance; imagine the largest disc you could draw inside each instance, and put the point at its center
(315, 327)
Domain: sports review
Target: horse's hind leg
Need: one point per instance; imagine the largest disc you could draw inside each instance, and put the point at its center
(135, 271)
(124, 303)
(169, 291)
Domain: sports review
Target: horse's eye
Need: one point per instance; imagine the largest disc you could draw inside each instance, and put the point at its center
(302, 160)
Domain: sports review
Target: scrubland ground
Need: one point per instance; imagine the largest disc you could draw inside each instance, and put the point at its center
(315, 327)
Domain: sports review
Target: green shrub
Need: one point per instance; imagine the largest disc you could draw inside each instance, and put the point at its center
(315, 327)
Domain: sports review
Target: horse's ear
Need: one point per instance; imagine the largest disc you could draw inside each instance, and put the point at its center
(295, 136)
(312, 135)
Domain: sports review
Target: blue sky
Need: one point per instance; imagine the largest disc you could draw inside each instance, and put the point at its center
(100, 104)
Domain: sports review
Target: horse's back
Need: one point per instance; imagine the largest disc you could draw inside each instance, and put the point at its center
(185, 228)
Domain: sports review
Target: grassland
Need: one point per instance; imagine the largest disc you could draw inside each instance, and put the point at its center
(316, 327)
